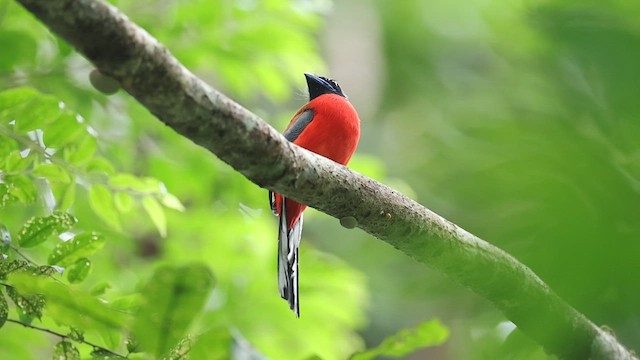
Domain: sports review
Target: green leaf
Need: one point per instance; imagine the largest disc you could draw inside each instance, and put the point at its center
(177, 352)
(132, 344)
(100, 289)
(100, 165)
(15, 163)
(101, 201)
(7, 267)
(15, 97)
(156, 213)
(29, 108)
(5, 195)
(68, 306)
(80, 153)
(171, 202)
(65, 350)
(64, 130)
(52, 172)
(46, 270)
(22, 49)
(7, 145)
(22, 188)
(39, 229)
(69, 197)
(214, 344)
(123, 201)
(29, 306)
(4, 309)
(76, 334)
(70, 251)
(171, 300)
(79, 271)
(111, 337)
(430, 333)
(126, 181)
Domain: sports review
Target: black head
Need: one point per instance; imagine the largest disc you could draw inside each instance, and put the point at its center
(319, 85)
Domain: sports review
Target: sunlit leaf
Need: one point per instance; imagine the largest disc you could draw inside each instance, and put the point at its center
(14, 97)
(7, 145)
(172, 299)
(101, 201)
(129, 182)
(39, 229)
(65, 350)
(171, 202)
(7, 267)
(64, 130)
(28, 305)
(5, 195)
(430, 333)
(66, 305)
(79, 270)
(68, 197)
(29, 108)
(100, 165)
(15, 163)
(21, 188)
(123, 201)
(52, 172)
(126, 181)
(79, 154)
(156, 213)
(70, 251)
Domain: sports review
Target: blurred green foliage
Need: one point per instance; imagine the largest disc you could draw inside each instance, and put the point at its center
(516, 120)
(519, 122)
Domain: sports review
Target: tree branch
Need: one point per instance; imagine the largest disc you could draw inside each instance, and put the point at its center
(147, 71)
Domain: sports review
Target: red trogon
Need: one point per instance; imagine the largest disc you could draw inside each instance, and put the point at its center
(327, 125)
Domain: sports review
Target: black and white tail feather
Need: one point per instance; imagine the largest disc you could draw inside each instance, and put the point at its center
(288, 245)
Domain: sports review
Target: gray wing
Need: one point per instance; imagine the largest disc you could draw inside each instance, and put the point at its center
(288, 244)
(301, 123)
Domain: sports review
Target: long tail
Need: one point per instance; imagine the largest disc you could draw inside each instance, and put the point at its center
(288, 244)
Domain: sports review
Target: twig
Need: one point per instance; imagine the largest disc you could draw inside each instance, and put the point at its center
(63, 336)
(23, 256)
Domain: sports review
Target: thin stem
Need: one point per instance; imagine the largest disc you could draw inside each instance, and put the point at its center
(23, 256)
(34, 263)
(63, 336)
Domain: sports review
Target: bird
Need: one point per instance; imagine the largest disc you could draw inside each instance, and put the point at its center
(327, 125)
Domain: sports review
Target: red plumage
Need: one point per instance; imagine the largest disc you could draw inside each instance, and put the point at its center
(333, 133)
(327, 125)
